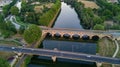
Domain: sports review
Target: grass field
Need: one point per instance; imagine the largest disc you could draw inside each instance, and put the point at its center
(90, 4)
(118, 55)
(40, 8)
(106, 47)
(106, 65)
(7, 55)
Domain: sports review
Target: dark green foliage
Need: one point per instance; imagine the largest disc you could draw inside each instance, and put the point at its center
(7, 8)
(98, 27)
(109, 11)
(110, 8)
(117, 19)
(7, 28)
(115, 27)
(97, 20)
(27, 60)
(27, 13)
(30, 17)
(11, 27)
(4, 63)
(7, 33)
(42, 0)
(21, 30)
(86, 14)
(49, 15)
(107, 14)
(32, 34)
(14, 10)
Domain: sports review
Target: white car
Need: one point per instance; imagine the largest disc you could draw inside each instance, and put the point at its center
(13, 47)
(32, 49)
(88, 56)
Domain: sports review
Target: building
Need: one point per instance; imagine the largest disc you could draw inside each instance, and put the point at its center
(4, 2)
(113, 1)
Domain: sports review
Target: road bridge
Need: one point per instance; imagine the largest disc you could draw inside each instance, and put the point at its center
(61, 54)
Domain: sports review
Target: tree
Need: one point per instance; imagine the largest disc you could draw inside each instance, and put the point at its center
(32, 34)
(5, 9)
(2, 23)
(98, 27)
(115, 27)
(4, 63)
(97, 20)
(108, 14)
(31, 17)
(49, 15)
(11, 27)
(7, 33)
(117, 19)
(14, 10)
(21, 30)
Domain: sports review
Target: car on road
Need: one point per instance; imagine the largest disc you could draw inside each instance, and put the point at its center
(13, 47)
(88, 56)
(32, 49)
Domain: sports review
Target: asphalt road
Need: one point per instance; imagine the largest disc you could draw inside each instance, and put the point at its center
(61, 54)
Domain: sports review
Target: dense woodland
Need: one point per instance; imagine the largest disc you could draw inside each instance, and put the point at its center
(28, 15)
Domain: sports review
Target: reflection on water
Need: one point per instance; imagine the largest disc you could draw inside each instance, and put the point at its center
(42, 62)
(82, 47)
(67, 19)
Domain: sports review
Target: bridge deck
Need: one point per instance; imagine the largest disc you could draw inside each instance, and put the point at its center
(62, 54)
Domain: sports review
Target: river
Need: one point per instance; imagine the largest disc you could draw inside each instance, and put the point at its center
(67, 18)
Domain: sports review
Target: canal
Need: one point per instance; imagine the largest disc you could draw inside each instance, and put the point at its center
(67, 18)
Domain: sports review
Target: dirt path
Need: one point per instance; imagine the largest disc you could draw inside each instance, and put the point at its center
(117, 49)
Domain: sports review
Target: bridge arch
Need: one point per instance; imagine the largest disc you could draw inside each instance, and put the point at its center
(57, 35)
(48, 34)
(66, 36)
(95, 37)
(76, 36)
(85, 37)
(107, 37)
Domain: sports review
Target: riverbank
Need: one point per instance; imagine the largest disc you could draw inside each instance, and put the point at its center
(28, 59)
(55, 17)
(107, 48)
(67, 18)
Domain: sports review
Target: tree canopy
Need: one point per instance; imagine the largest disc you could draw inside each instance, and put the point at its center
(14, 10)
(97, 20)
(98, 27)
(7, 28)
(4, 63)
(32, 34)
(49, 15)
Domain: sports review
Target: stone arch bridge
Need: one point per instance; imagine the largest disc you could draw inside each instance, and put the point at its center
(69, 33)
